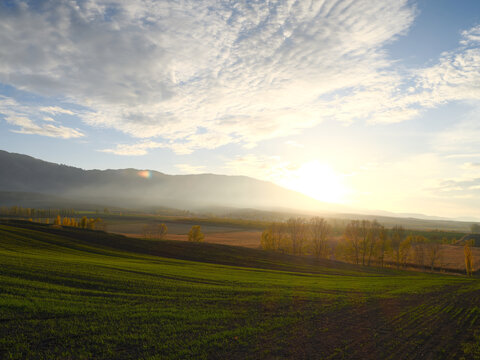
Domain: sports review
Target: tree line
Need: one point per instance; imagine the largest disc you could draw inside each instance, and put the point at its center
(19, 211)
(159, 231)
(295, 235)
(369, 243)
(62, 217)
(83, 223)
(363, 242)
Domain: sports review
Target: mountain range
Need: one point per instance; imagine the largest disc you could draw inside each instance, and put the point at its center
(31, 182)
(24, 177)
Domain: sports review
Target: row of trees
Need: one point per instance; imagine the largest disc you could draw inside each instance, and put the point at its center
(84, 222)
(155, 231)
(159, 231)
(19, 211)
(293, 235)
(363, 242)
(369, 243)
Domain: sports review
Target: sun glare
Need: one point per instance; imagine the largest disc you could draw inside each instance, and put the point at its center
(318, 181)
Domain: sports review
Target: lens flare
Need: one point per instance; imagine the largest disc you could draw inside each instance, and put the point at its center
(145, 174)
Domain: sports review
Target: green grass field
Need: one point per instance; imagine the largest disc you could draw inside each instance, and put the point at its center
(79, 294)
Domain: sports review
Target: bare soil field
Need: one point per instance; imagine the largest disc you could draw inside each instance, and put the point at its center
(136, 228)
(452, 257)
(248, 239)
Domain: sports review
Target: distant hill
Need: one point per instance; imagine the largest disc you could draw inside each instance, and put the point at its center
(23, 175)
(30, 182)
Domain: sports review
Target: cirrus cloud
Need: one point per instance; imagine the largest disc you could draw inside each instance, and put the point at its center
(25, 120)
(244, 71)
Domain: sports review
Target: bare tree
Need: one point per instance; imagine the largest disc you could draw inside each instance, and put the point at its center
(374, 235)
(433, 253)
(382, 244)
(419, 250)
(352, 238)
(319, 230)
(296, 229)
(397, 236)
(405, 247)
(278, 233)
(155, 231)
(364, 231)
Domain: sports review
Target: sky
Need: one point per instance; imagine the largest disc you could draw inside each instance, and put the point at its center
(371, 104)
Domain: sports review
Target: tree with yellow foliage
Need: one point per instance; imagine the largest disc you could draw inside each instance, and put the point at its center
(468, 259)
(195, 234)
(162, 230)
(267, 240)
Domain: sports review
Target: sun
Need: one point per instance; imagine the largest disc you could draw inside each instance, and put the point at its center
(318, 181)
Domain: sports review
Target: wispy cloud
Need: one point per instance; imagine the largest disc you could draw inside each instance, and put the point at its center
(456, 76)
(22, 118)
(55, 110)
(27, 126)
(190, 169)
(188, 145)
(134, 149)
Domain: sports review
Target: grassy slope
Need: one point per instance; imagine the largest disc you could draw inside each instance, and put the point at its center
(68, 293)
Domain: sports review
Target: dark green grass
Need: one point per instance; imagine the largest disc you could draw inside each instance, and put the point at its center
(76, 294)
